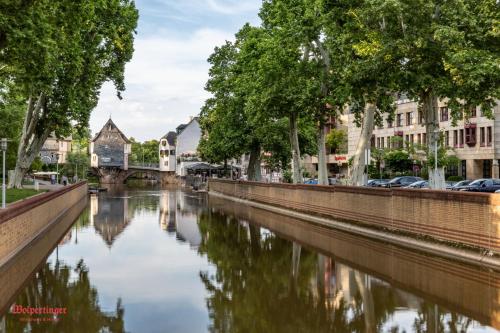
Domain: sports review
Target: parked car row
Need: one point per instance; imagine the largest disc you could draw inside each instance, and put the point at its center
(479, 185)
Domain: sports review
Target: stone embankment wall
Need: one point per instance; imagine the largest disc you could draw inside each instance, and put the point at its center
(22, 222)
(471, 219)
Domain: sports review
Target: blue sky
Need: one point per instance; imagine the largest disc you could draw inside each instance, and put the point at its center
(168, 72)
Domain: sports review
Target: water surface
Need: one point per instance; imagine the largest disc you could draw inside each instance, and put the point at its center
(171, 261)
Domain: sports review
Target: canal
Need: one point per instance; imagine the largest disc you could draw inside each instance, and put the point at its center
(150, 260)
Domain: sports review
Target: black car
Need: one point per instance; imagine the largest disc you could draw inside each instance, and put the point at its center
(402, 181)
(483, 185)
(377, 182)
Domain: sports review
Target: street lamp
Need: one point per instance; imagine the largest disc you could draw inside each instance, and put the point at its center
(56, 155)
(3, 147)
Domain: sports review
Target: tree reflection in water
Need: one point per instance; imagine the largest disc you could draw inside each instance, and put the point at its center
(60, 285)
(264, 283)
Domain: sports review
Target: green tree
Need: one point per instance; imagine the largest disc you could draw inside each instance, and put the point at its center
(336, 140)
(58, 54)
(232, 121)
(445, 49)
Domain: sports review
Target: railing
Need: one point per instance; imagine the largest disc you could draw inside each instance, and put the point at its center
(144, 166)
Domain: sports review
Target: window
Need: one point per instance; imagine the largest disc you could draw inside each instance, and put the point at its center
(388, 142)
(399, 120)
(389, 123)
(424, 138)
(452, 170)
(420, 117)
(482, 137)
(455, 138)
(172, 152)
(489, 136)
(487, 168)
(407, 140)
(444, 114)
(470, 135)
(378, 142)
(473, 113)
(464, 169)
(419, 138)
(409, 118)
(447, 140)
(412, 138)
(461, 138)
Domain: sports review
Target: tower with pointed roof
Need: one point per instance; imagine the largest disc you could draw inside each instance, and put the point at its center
(110, 148)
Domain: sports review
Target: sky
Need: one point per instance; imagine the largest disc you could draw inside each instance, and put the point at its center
(165, 79)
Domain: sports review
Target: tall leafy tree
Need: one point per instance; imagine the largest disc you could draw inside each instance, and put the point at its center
(444, 50)
(60, 53)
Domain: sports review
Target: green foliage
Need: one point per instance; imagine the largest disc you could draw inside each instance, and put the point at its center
(37, 164)
(398, 161)
(144, 152)
(455, 178)
(12, 110)
(337, 141)
(14, 194)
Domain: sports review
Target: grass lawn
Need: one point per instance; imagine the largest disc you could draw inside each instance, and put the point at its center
(15, 194)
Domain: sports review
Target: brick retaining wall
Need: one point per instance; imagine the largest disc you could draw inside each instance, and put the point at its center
(17, 272)
(23, 221)
(468, 218)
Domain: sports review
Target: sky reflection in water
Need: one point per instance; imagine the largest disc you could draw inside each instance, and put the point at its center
(170, 261)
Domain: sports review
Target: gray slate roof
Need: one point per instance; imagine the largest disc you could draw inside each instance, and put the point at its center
(171, 137)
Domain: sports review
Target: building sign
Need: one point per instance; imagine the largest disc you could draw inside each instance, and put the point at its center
(340, 159)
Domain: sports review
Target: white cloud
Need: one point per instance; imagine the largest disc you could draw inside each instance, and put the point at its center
(165, 84)
(232, 7)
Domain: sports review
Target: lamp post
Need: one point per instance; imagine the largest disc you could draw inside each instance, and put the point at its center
(3, 147)
(56, 155)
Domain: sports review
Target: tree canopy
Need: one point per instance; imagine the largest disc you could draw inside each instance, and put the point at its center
(58, 54)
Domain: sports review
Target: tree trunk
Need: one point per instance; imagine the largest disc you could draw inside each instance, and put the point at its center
(294, 142)
(31, 141)
(368, 306)
(358, 176)
(254, 163)
(430, 110)
(322, 169)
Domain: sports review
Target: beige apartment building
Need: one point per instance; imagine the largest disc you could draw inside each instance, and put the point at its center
(475, 142)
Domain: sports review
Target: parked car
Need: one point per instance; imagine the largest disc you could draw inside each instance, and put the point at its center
(419, 184)
(450, 184)
(377, 182)
(332, 181)
(401, 181)
(311, 182)
(460, 185)
(482, 185)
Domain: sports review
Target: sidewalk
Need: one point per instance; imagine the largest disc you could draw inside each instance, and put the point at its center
(44, 185)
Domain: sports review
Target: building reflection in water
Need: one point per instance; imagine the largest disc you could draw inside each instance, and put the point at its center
(109, 215)
(178, 215)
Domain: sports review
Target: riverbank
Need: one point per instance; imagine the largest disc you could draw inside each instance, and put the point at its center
(23, 221)
(455, 225)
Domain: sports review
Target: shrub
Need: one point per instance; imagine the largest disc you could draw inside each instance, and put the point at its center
(455, 178)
